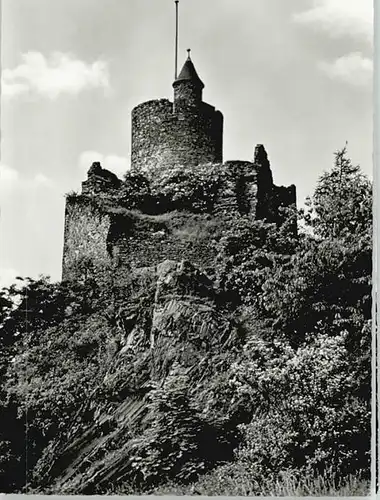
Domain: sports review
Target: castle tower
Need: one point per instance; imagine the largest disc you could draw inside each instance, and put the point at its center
(186, 132)
(107, 234)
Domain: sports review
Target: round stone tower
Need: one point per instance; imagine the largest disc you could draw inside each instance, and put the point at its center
(186, 132)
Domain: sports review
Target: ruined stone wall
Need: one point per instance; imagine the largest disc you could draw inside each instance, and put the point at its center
(138, 240)
(285, 196)
(106, 234)
(116, 239)
(100, 181)
(85, 239)
(162, 138)
(98, 243)
(238, 193)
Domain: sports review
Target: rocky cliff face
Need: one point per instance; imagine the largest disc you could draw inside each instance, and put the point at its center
(165, 316)
(175, 253)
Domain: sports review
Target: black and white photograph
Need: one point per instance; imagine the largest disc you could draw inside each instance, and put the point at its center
(187, 248)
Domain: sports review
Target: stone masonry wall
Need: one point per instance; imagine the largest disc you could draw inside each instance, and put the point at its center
(139, 240)
(85, 239)
(104, 236)
(186, 95)
(162, 138)
(239, 191)
(100, 181)
(119, 238)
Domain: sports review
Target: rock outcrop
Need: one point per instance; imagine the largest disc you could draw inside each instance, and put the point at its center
(166, 315)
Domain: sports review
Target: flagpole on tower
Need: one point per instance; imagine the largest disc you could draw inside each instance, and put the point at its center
(176, 39)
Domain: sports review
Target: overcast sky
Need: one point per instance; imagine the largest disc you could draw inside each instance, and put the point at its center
(294, 75)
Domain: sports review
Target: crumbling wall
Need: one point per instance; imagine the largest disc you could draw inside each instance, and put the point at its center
(100, 181)
(196, 205)
(238, 193)
(85, 239)
(138, 240)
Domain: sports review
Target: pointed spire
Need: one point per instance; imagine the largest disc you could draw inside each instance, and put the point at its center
(188, 73)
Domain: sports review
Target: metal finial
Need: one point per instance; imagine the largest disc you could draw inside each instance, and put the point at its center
(188, 53)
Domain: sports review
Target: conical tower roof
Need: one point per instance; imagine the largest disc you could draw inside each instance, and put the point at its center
(188, 73)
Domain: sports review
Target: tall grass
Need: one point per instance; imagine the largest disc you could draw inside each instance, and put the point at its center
(222, 482)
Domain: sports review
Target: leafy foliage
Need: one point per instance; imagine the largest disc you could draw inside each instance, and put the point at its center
(191, 190)
(261, 376)
(306, 417)
(52, 345)
(174, 189)
(135, 192)
(342, 201)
